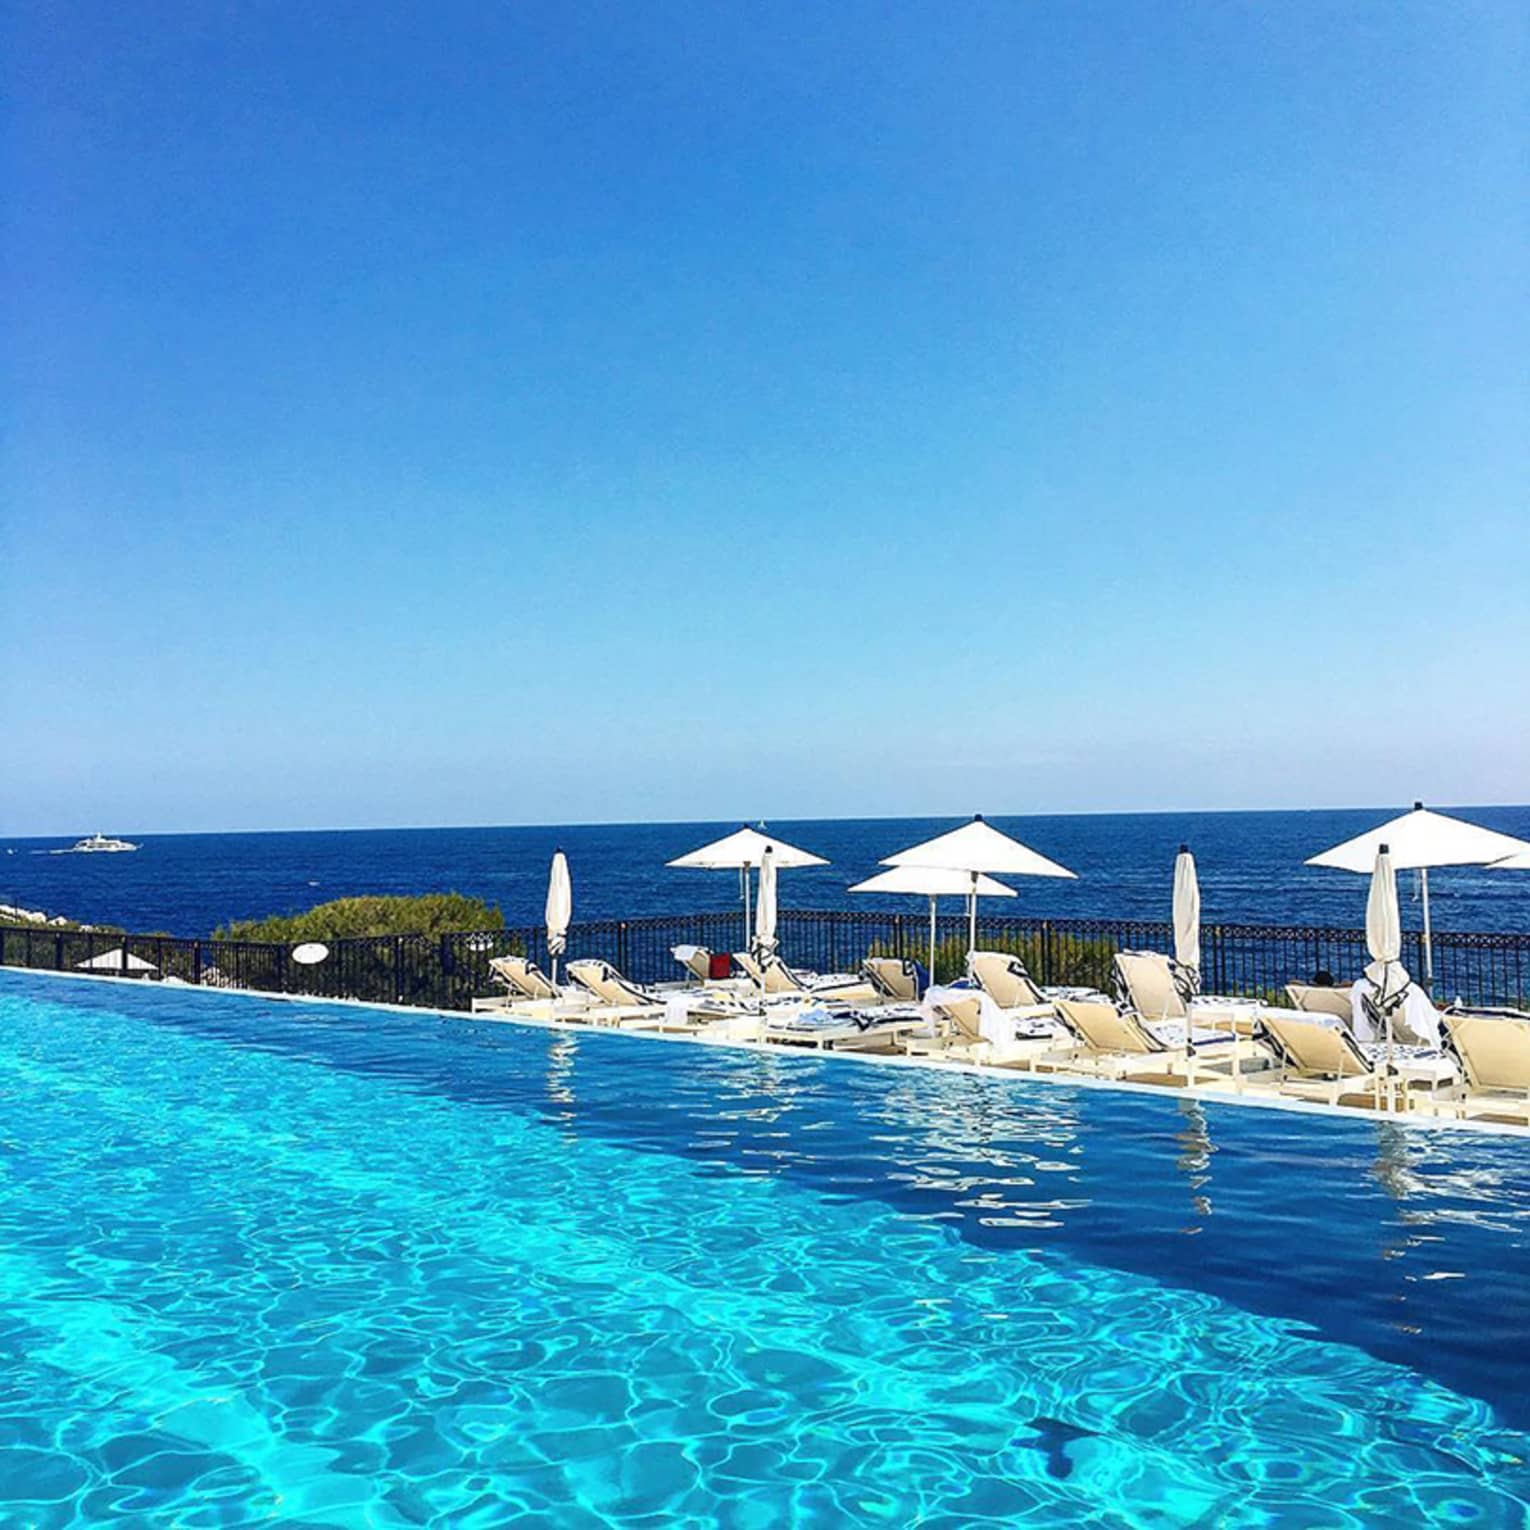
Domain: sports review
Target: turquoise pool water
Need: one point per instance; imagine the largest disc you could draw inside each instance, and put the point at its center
(271, 1263)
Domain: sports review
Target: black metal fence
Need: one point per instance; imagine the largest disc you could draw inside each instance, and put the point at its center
(447, 971)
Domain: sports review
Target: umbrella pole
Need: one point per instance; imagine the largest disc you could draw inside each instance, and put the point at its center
(1391, 1095)
(743, 872)
(1423, 882)
(972, 917)
(932, 939)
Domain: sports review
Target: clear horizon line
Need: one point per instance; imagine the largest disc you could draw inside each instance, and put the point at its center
(639, 823)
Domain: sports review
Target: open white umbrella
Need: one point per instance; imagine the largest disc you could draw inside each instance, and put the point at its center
(975, 848)
(1520, 862)
(742, 850)
(560, 909)
(1187, 914)
(1383, 939)
(765, 907)
(112, 961)
(934, 883)
(1417, 841)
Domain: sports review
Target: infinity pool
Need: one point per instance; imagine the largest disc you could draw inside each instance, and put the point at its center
(263, 1262)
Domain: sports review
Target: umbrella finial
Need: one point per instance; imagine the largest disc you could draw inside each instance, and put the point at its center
(1184, 849)
(1418, 807)
(977, 818)
(1385, 849)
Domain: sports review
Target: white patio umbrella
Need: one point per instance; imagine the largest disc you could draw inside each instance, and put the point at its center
(1383, 939)
(111, 961)
(559, 910)
(1187, 913)
(1418, 841)
(765, 906)
(742, 850)
(934, 883)
(1520, 862)
(975, 848)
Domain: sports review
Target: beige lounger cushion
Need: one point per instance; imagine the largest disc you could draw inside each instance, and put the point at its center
(696, 960)
(892, 976)
(773, 976)
(523, 976)
(1316, 1049)
(963, 1015)
(747, 964)
(1149, 984)
(1003, 978)
(608, 985)
(1316, 1000)
(777, 977)
(1494, 1050)
(1103, 1028)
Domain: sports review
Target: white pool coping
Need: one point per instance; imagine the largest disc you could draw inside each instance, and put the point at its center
(1008, 1076)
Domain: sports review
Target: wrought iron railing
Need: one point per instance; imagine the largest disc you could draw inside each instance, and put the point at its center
(447, 971)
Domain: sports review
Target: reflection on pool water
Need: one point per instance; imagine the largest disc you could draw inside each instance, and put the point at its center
(344, 1267)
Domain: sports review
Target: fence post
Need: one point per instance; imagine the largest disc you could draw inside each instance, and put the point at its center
(444, 962)
(621, 945)
(196, 962)
(398, 969)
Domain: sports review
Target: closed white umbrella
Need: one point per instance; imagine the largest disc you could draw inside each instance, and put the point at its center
(1383, 939)
(742, 850)
(1187, 914)
(975, 848)
(560, 908)
(1383, 928)
(1417, 841)
(765, 906)
(934, 883)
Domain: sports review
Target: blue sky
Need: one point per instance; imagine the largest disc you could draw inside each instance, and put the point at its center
(530, 412)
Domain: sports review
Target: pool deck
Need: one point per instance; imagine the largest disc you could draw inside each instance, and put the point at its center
(1022, 1078)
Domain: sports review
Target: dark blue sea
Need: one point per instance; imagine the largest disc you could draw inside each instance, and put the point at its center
(1250, 869)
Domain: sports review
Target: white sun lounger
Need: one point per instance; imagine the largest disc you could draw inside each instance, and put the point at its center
(1316, 1056)
(1493, 1053)
(530, 993)
(1145, 980)
(1315, 999)
(895, 978)
(696, 960)
(1120, 1044)
(839, 1028)
(618, 1001)
(523, 977)
(771, 975)
(1003, 978)
(959, 1036)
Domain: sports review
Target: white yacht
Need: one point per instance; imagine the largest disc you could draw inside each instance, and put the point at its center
(100, 842)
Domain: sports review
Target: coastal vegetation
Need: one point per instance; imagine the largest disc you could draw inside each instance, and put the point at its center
(342, 918)
(1077, 960)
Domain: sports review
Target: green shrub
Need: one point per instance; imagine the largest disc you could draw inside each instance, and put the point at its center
(428, 914)
(1080, 960)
